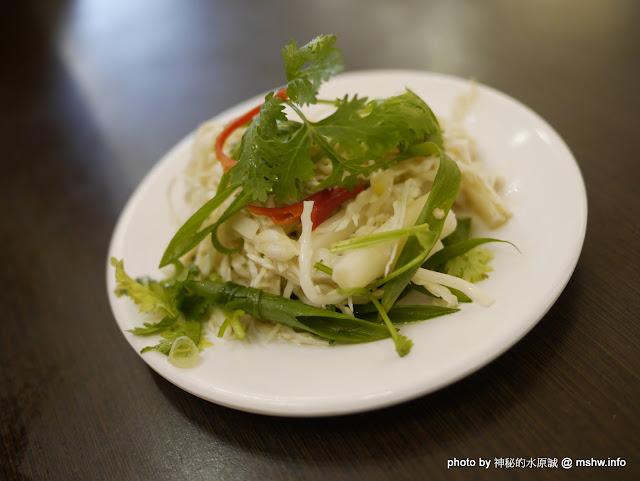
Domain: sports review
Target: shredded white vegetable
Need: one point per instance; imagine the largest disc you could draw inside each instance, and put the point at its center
(281, 259)
(426, 277)
(309, 287)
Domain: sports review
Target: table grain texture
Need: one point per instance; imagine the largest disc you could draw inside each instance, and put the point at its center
(93, 92)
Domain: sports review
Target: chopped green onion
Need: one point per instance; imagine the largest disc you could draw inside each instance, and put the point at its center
(322, 268)
(233, 320)
(184, 353)
(377, 238)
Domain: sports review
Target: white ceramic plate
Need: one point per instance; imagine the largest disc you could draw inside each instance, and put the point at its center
(545, 191)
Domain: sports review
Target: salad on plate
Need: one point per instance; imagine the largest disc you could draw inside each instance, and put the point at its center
(321, 221)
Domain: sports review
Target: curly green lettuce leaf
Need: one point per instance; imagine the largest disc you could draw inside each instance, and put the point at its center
(151, 328)
(149, 299)
(184, 313)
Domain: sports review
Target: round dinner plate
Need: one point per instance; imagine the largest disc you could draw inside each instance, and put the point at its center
(544, 190)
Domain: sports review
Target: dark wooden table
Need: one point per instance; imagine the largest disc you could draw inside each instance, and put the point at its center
(93, 93)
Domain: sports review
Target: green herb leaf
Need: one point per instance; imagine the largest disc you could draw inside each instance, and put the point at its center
(236, 206)
(272, 160)
(288, 312)
(359, 132)
(395, 121)
(190, 235)
(472, 266)
(437, 261)
(308, 66)
(404, 314)
(154, 328)
(149, 299)
(191, 329)
(274, 157)
(164, 346)
(258, 151)
(193, 308)
(279, 162)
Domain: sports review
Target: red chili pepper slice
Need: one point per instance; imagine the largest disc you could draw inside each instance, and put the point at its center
(224, 159)
(325, 203)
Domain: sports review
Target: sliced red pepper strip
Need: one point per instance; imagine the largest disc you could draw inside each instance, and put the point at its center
(325, 203)
(224, 159)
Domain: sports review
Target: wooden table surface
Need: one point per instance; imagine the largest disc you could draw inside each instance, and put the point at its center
(92, 93)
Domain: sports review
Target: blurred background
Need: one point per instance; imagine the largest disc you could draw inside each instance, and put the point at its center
(141, 74)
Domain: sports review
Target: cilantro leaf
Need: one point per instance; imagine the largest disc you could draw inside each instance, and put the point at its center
(275, 155)
(308, 66)
(472, 266)
(359, 132)
(391, 122)
(259, 152)
(274, 161)
(294, 165)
